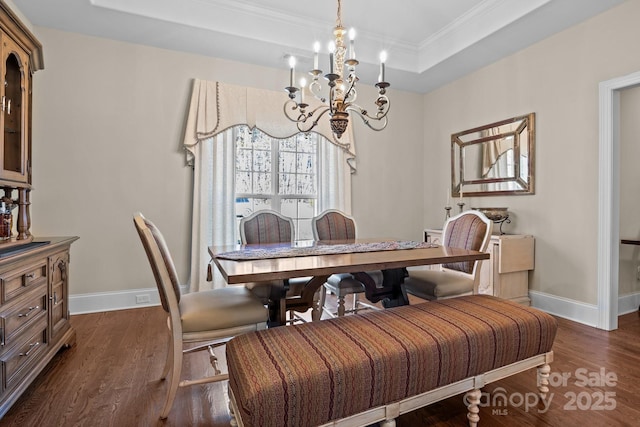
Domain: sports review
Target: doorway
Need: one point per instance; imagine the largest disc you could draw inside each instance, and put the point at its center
(609, 198)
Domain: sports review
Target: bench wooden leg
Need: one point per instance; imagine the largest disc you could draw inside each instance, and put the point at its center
(543, 380)
(473, 397)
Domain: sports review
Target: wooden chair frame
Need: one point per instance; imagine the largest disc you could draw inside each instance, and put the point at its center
(209, 340)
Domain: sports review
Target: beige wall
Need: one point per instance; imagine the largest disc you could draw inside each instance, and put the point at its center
(107, 127)
(557, 79)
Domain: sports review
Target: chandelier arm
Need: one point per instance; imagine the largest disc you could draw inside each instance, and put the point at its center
(315, 89)
(367, 120)
(381, 117)
(303, 117)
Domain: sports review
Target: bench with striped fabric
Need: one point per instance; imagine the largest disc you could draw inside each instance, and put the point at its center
(358, 370)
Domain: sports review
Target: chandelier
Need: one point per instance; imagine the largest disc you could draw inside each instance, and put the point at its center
(341, 82)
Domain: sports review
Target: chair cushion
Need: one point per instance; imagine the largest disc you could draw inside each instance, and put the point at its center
(262, 290)
(344, 283)
(228, 307)
(432, 284)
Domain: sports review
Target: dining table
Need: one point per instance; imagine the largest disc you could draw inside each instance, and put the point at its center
(317, 260)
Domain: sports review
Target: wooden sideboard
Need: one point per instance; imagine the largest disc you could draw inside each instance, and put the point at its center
(34, 312)
(506, 273)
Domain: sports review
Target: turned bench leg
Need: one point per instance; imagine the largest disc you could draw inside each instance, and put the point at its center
(473, 397)
(543, 380)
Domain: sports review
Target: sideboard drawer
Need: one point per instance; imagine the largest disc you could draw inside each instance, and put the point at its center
(18, 316)
(16, 362)
(22, 278)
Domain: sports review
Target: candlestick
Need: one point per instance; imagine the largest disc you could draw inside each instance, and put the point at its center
(447, 214)
(316, 50)
(352, 49)
(461, 205)
(292, 64)
(332, 48)
(383, 59)
(448, 197)
(303, 84)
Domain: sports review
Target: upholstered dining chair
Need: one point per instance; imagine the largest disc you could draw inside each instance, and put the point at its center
(266, 227)
(208, 318)
(333, 224)
(469, 230)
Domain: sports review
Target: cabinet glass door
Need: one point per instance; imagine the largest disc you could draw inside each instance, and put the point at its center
(14, 100)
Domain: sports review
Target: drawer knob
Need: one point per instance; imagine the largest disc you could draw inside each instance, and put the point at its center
(29, 312)
(31, 275)
(31, 347)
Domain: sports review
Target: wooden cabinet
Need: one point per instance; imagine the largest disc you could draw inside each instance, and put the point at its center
(34, 273)
(506, 273)
(20, 57)
(34, 315)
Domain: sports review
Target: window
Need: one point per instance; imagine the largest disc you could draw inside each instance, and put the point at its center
(278, 174)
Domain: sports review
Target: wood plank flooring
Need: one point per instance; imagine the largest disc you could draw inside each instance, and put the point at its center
(110, 378)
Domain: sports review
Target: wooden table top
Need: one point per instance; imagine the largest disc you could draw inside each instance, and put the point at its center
(236, 272)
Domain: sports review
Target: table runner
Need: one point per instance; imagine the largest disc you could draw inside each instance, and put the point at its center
(319, 248)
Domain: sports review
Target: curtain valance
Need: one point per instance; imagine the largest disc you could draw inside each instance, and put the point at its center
(217, 106)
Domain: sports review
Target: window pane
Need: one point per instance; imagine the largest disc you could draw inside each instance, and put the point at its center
(243, 160)
(287, 162)
(306, 143)
(262, 160)
(306, 208)
(287, 183)
(288, 144)
(289, 207)
(243, 182)
(242, 137)
(260, 141)
(306, 163)
(306, 184)
(261, 183)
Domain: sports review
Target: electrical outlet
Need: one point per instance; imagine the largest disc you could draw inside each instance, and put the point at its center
(142, 299)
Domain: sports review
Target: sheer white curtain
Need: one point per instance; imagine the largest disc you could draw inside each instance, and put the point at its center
(215, 108)
(213, 218)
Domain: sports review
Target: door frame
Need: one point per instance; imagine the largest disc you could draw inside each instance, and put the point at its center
(609, 198)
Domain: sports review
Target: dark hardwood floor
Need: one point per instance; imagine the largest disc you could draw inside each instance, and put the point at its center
(110, 378)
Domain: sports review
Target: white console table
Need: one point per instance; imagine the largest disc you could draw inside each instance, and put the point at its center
(506, 273)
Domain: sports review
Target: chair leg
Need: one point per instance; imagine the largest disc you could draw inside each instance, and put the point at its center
(317, 315)
(169, 360)
(174, 379)
(341, 309)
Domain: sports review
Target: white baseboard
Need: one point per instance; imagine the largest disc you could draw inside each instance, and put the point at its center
(580, 311)
(109, 301)
(628, 303)
(564, 307)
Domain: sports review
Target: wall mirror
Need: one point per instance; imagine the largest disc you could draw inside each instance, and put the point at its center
(494, 159)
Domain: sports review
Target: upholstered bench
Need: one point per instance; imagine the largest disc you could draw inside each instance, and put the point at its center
(361, 369)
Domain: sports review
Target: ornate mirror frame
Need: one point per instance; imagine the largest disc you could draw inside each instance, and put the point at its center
(483, 159)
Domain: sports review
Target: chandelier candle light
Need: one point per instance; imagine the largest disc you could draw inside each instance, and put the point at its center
(342, 80)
